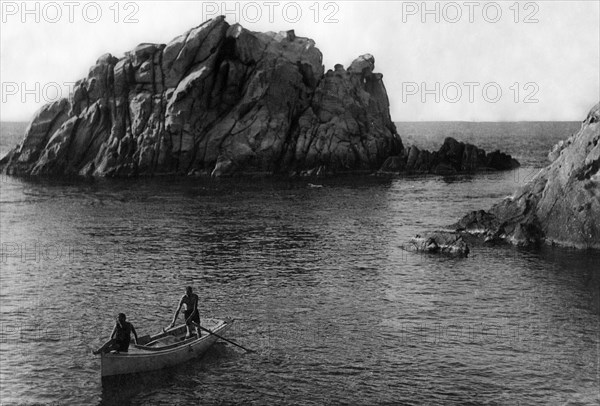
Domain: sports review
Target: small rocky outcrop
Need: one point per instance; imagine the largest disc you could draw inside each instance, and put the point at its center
(561, 205)
(439, 242)
(217, 100)
(453, 157)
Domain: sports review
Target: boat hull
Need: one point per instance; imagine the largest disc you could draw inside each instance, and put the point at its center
(143, 358)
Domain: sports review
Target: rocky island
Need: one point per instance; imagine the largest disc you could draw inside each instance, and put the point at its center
(221, 100)
(217, 100)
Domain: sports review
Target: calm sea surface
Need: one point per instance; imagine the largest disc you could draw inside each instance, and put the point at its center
(315, 278)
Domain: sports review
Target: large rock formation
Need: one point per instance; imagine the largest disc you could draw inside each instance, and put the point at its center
(560, 205)
(452, 157)
(217, 100)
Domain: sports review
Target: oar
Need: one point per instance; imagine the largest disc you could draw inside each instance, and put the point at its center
(223, 338)
(166, 330)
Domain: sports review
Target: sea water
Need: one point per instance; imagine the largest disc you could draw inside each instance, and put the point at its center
(314, 274)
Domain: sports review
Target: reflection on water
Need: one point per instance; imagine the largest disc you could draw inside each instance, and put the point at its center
(317, 283)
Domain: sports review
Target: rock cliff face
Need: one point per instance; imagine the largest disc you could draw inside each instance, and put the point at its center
(560, 205)
(217, 100)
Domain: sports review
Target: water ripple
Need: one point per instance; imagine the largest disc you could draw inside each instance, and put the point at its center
(317, 281)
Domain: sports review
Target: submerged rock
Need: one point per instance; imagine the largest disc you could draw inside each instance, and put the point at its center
(217, 100)
(452, 157)
(442, 242)
(561, 205)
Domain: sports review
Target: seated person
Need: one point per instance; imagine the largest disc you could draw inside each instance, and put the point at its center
(120, 336)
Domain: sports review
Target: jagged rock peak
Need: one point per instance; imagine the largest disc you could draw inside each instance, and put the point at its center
(364, 64)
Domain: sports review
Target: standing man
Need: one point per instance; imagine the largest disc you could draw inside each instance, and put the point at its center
(191, 314)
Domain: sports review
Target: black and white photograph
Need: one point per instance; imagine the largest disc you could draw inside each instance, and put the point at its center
(299, 202)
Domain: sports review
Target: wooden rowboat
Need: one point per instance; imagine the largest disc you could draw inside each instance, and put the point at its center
(163, 350)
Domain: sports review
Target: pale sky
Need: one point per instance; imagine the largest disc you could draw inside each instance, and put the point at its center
(543, 52)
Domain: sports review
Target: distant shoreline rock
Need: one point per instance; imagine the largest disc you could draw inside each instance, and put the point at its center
(560, 205)
(453, 157)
